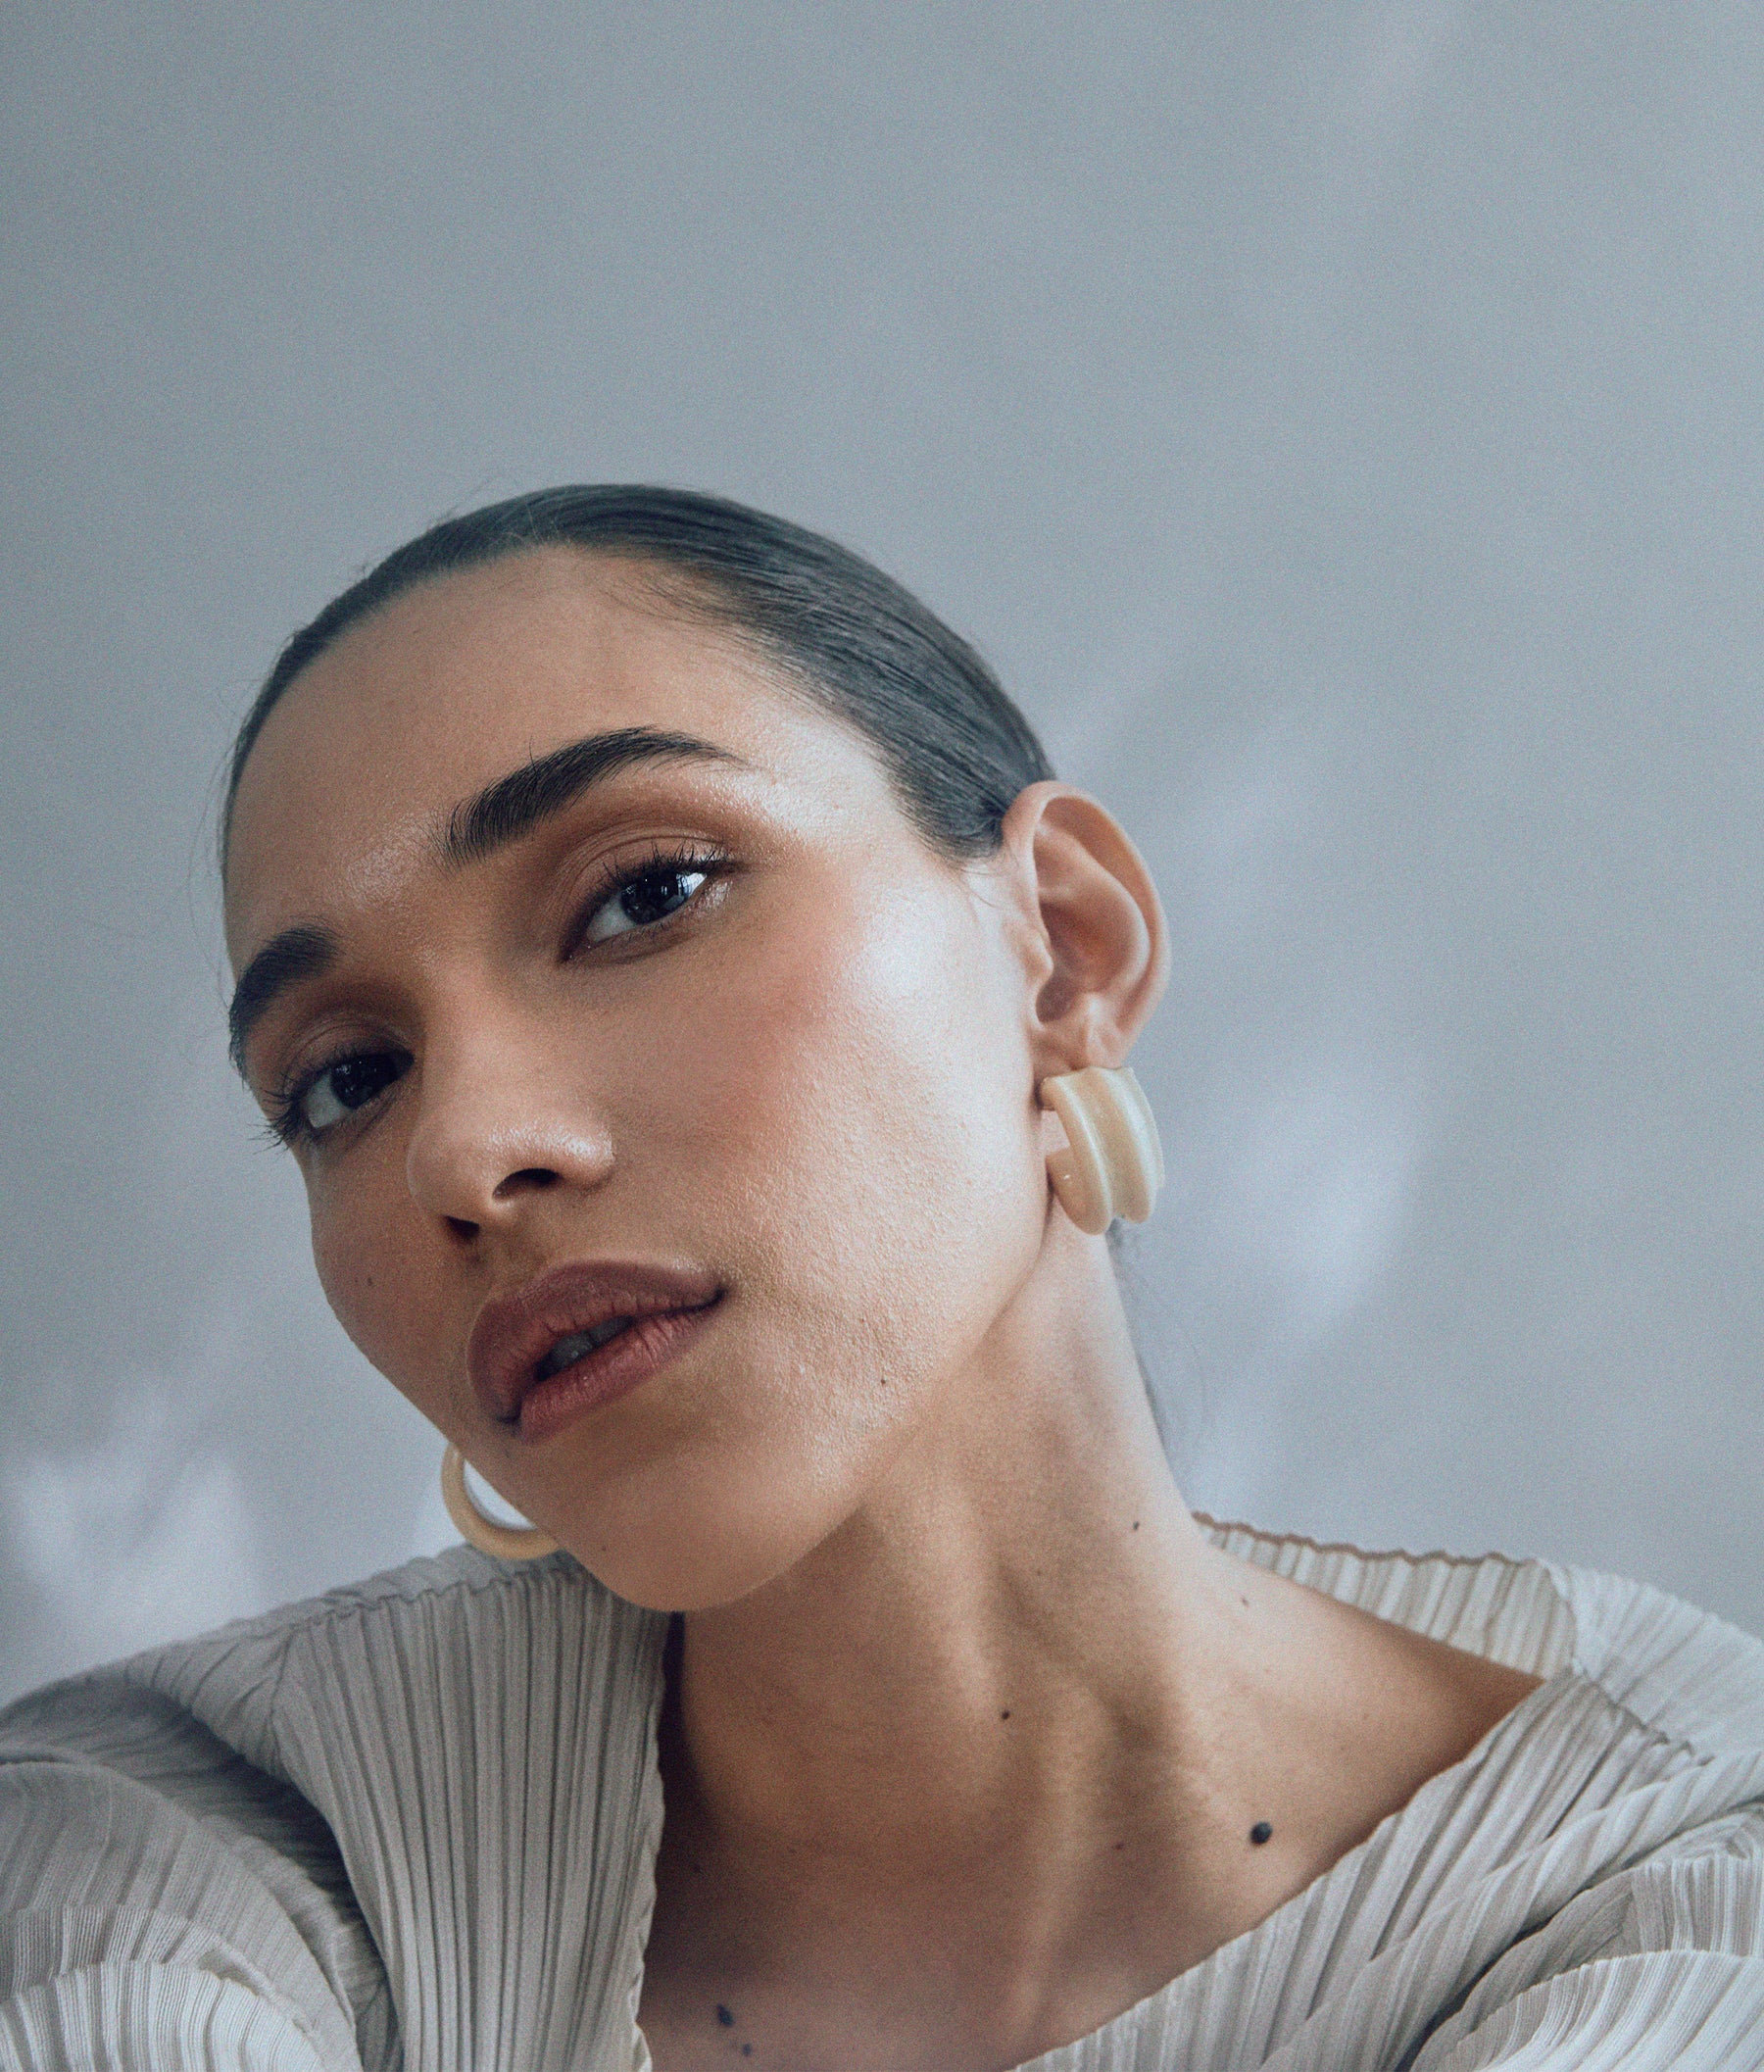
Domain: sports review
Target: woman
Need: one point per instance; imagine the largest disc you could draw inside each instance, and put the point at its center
(700, 1018)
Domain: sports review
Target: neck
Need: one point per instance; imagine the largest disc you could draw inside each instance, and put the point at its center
(1025, 1595)
(990, 1764)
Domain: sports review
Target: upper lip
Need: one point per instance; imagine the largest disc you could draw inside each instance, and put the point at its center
(514, 1332)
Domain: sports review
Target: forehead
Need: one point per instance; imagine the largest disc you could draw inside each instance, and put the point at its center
(457, 682)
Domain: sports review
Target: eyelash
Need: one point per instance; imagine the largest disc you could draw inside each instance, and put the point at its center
(287, 1123)
(662, 861)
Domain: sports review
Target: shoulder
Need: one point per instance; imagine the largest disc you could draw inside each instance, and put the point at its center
(260, 1821)
(1641, 1926)
(376, 1656)
(1684, 1672)
(451, 1666)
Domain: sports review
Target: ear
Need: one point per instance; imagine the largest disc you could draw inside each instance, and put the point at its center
(1096, 943)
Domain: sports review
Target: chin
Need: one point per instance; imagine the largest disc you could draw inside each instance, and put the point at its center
(670, 1578)
(689, 1549)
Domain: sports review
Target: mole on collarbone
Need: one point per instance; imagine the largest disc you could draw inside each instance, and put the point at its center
(1262, 1831)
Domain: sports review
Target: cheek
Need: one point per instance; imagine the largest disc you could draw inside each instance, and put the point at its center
(850, 1134)
(865, 1104)
(374, 1280)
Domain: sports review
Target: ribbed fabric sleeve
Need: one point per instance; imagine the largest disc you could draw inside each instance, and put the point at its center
(165, 1904)
(410, 1823)
(413, 1824)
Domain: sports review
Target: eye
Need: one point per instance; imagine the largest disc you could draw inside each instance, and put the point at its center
(639, 899)
(338, 1090)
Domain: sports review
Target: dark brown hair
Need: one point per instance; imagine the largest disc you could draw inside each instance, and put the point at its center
(956, 748)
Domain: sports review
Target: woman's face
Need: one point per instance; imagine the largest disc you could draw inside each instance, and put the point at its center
(708, 1039)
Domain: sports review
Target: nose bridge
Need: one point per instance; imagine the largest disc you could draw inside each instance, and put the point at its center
(496, 1117)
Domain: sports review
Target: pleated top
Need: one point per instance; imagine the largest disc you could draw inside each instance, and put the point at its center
(411, 1826)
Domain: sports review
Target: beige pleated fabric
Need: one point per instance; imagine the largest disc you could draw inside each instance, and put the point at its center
(411, 1827)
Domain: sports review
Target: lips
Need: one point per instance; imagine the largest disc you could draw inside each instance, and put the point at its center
(577, 1335)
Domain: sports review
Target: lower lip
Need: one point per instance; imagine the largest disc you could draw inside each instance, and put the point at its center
(610, 1372)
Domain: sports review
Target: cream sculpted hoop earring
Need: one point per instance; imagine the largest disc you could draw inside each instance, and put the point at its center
(1113, 1162)
(1113, 1167)
(507, 1543)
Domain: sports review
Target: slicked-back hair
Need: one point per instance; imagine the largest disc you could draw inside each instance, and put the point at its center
(956, 748)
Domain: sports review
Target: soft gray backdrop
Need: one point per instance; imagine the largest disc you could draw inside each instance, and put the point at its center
(1339, 421)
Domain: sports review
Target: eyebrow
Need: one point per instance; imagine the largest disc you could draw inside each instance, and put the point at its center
(499, 815)
(285, 960)
(503, 811)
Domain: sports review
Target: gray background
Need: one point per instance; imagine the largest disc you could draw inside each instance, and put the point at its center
(1339, 421)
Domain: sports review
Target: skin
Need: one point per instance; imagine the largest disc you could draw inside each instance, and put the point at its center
(967, 1723)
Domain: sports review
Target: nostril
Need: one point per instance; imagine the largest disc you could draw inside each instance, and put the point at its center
(461, 1228)
(531, 1179)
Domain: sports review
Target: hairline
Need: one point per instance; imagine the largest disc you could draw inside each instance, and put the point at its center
(670, 589)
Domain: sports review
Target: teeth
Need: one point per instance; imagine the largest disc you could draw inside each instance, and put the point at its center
(567, 1350)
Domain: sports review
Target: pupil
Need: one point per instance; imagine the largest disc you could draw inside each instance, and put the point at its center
(356, 1080)
(652, 896)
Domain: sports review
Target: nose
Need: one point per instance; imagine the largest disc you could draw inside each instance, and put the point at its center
(494, 1128)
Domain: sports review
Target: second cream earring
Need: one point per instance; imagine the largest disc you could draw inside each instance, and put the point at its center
(509, 1542)
(1113, 1162)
